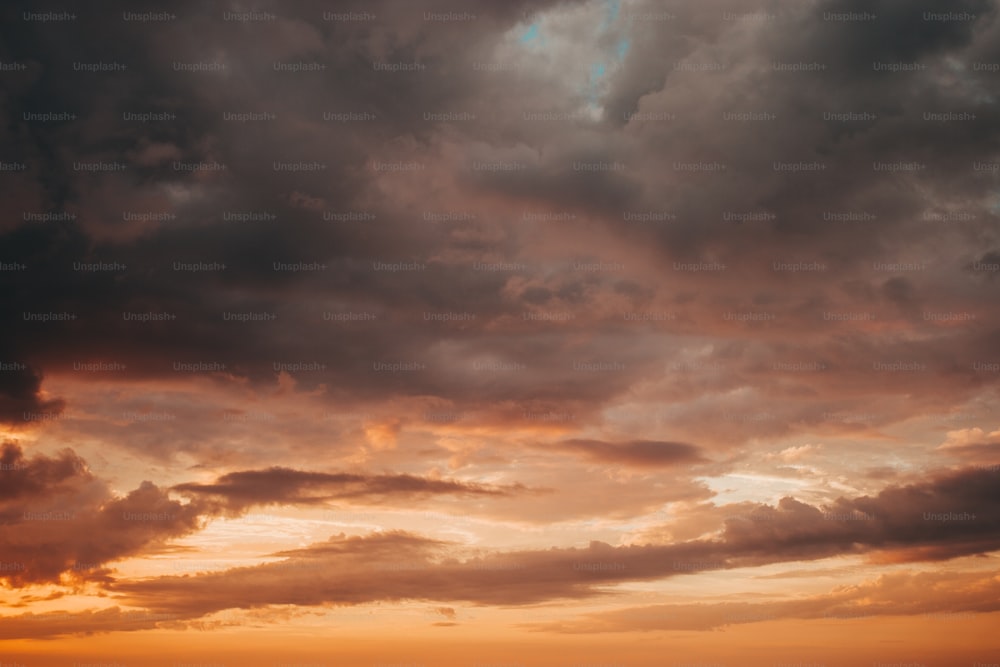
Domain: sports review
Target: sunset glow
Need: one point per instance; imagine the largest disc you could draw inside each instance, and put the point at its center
(495, 333)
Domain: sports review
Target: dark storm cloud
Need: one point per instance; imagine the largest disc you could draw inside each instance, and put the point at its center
(147, 251)
(748, 53)
(20, 398)
(900, 32)
(657, 72)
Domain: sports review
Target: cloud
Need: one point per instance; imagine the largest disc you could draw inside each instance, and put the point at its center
(638, 453)
(523, 315)
(663, 234)
(21, 397)
(972, 444)
(933, 595)
(237, 491)
(956, 514)
(795, 454)
(59, 519)
(51, 625)
(39, 476)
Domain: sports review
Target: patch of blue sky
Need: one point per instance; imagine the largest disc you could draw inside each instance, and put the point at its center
(531, 34)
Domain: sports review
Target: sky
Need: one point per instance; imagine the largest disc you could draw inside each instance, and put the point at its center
(500, 333)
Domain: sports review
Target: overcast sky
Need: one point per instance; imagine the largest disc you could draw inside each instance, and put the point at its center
(496, 332)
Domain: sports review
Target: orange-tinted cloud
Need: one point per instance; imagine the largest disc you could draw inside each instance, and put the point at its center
(931, 594)
(953, 515)
(638, 453)
(237, 491)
